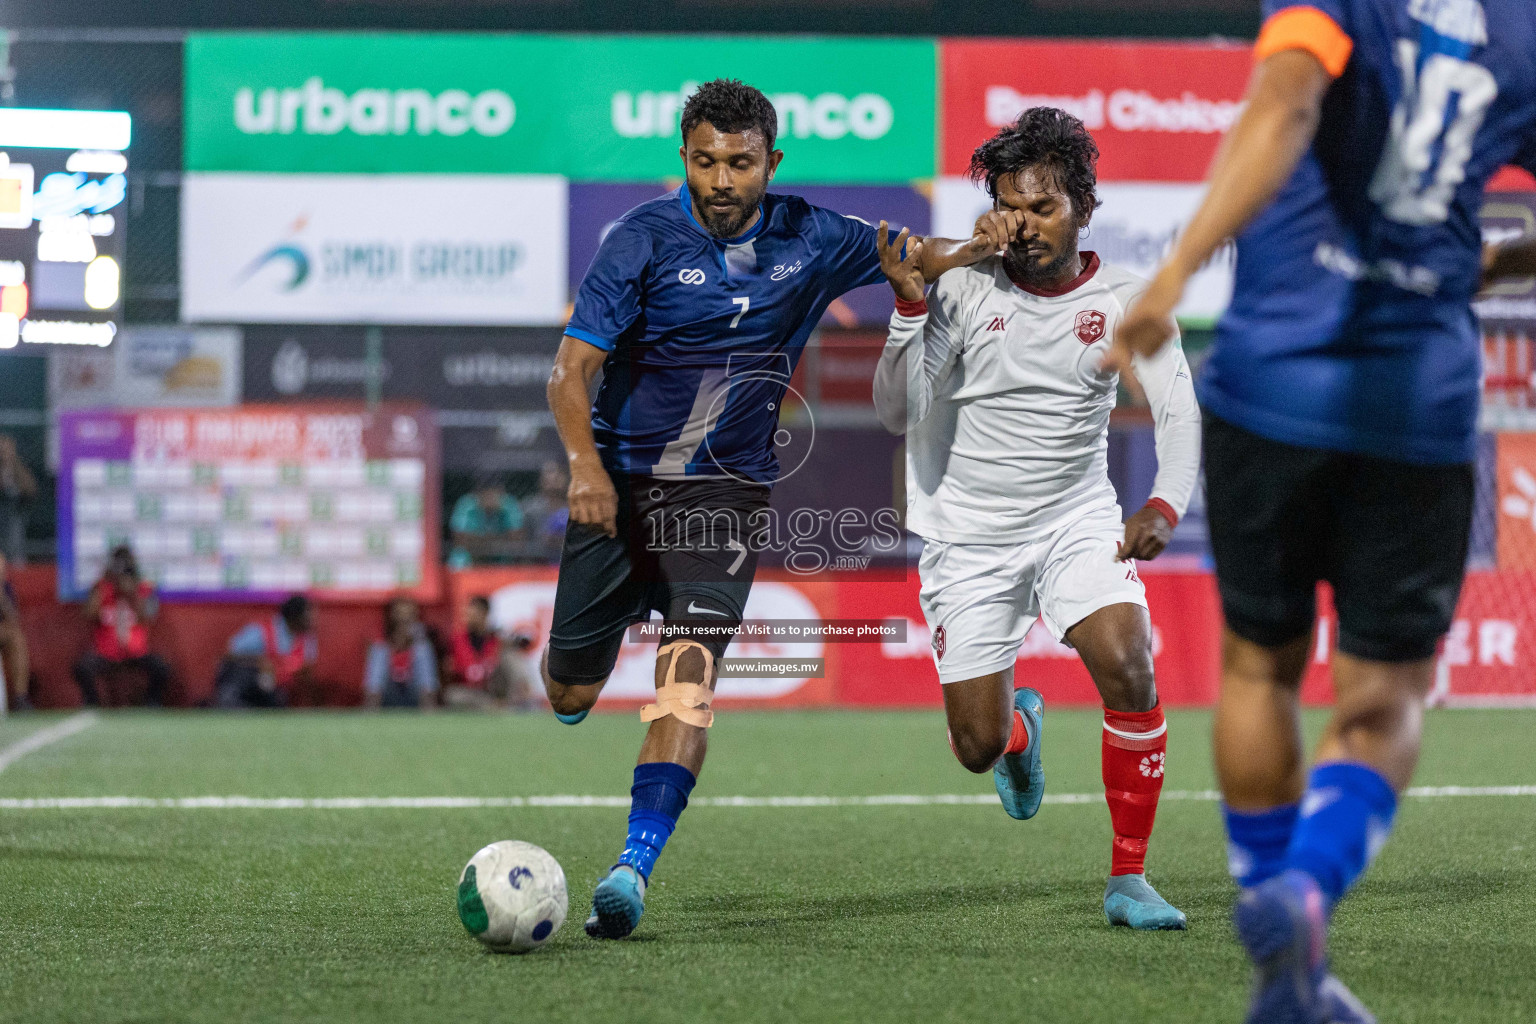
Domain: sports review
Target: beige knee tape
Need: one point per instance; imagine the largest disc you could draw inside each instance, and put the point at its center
(687, 702)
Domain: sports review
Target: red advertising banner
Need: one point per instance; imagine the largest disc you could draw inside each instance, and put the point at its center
(1487, 658)
(1157, 110)
(523, 600)
(1516, 510)
(1186, 626)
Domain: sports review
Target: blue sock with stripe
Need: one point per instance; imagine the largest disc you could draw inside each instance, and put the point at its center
(1346, 816)
(657, 799)
(1257, 842)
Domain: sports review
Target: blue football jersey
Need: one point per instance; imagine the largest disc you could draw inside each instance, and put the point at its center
(704, 333)
(1351, 325)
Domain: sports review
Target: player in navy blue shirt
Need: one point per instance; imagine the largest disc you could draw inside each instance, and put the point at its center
(696, 309)
(1341, 411)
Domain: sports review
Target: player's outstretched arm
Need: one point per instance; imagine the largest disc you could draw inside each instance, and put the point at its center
(592, 497)
(1285, 97)
(992, 233)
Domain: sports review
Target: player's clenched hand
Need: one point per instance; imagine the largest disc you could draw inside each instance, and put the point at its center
(1146, 535)
(904, 272)
(994, 230)
(593, 500)
(1148, 325)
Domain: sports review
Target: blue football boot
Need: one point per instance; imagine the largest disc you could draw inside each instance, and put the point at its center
(1341, 1006)
(1130, 901)
(575, 719)
(1019, 778)
(617, 904)
(1283, 925)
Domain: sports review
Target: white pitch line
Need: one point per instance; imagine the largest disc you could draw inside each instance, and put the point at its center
(40, 739)
(360, 803)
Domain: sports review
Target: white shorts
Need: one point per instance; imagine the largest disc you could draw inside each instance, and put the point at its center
(981, 600)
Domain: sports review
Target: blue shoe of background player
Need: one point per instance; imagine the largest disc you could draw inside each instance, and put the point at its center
(617, 904)
(1130, 901)
(1283, 925)
(1019, 778)
(1341, 1006)
(573, 719)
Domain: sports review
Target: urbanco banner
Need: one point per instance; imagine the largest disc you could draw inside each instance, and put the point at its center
(592, 108)
(1156, 110)
(384, 249)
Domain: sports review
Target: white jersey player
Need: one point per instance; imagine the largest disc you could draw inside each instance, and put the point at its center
(998, 380)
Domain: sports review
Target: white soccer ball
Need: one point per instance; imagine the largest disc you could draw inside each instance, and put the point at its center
(512, 896)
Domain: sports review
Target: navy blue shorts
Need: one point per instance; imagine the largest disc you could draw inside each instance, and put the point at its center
(1391, 537)
(682, 549)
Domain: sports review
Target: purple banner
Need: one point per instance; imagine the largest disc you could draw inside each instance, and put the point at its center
(253, 503)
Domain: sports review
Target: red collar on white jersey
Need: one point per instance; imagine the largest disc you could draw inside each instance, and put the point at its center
(1090, 267)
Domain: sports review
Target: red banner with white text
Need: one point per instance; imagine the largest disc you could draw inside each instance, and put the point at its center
(1488, 657)
(1156, 110)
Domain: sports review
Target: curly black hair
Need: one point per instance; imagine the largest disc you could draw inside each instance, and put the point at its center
(1043, 137)
(732, 107)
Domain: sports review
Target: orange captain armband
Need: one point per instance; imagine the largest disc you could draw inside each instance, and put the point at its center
(1309, 29)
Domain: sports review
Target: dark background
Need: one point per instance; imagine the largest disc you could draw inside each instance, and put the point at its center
(875, 17)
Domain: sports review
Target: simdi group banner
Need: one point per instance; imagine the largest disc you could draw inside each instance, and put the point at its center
(386, 248)
(588, 107)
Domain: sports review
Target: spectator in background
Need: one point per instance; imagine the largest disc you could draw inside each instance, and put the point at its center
(546, 511)
(487, 526)
(270, 658)
(482, 671)
(17, 487)
(121, 608)
(14, 661)
(402, 667)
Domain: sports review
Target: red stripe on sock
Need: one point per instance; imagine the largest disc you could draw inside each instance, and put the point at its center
(1018, 740)
(1133, 771)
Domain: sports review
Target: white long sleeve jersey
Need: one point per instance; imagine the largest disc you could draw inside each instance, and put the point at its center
(1007, 409)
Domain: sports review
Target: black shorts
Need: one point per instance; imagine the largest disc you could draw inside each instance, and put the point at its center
(1391, 537)
(683, 549)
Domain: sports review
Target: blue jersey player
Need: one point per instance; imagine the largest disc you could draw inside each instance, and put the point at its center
(696, 309)
(1341, 406)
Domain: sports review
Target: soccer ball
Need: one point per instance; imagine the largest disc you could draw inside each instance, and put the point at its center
(512, 896)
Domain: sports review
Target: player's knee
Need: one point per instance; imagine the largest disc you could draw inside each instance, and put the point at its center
(570, 700)
(1129, 683)
(684, 669)
(977, 749)
(571, 681)
(1384, 700)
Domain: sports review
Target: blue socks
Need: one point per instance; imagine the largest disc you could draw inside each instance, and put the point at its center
(1346, 816)
(657, 798)
(1257, 842)
(1343, 820)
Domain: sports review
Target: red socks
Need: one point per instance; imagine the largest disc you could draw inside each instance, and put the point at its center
(1018, 740)
(1135, 743)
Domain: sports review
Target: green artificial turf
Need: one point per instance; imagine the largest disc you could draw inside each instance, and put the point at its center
(781, 914)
